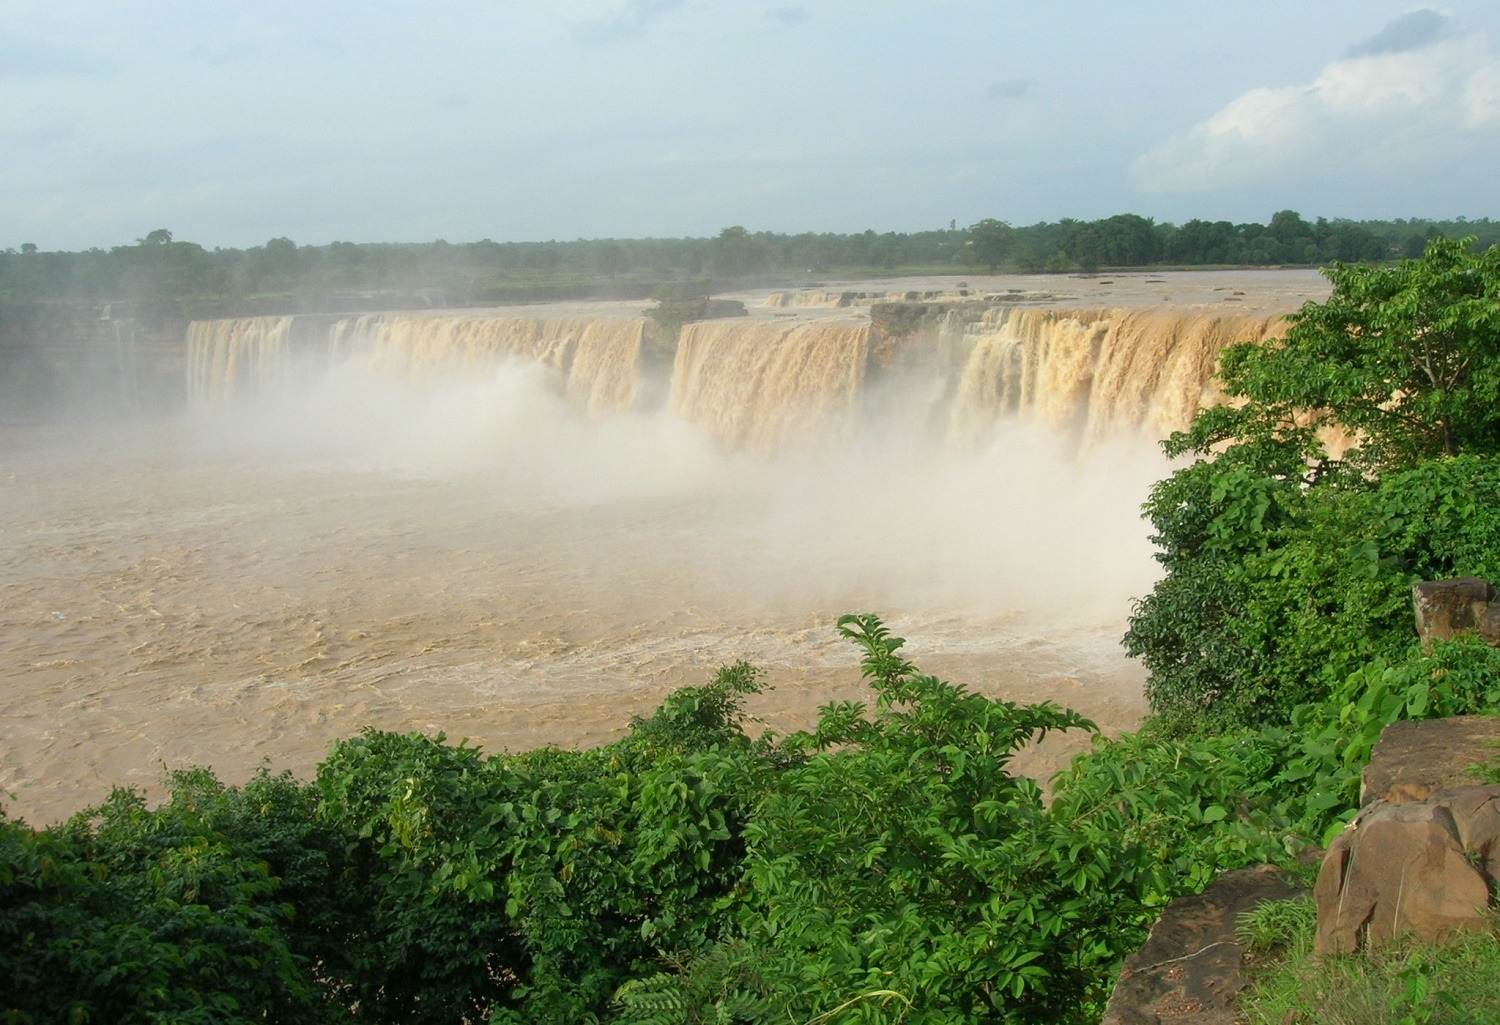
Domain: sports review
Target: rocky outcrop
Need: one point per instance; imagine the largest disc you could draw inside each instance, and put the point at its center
(685, 311)
(664, 323)
(1423, 869)
(1422, 857)
(1191, 967)
(1414, 760)
(1447, 608)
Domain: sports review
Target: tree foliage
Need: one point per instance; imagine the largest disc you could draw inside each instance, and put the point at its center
(901, 855)
(212, 908)
(990, 243)
(1402, 360)
(882, 866)
(1288, 563)
(166, 277)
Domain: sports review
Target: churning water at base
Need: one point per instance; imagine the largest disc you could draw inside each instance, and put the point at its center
(466, 552)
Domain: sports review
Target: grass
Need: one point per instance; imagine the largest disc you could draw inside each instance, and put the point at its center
(1405, 984)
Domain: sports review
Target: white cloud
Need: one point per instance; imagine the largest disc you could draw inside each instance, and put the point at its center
(1414, 94)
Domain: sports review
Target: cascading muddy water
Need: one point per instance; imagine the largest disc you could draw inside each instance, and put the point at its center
(598, 358)
(759, 385)
(766, 385)
(226, 356)
(1155, 372)
(422, 345)
(605, 375)
(1096, 374)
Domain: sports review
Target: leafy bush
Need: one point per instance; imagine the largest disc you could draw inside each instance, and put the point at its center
(901, 856)
(1194, 807)
(1287, 569)
(530, 887)
(883, 865)
(130, 915)
(1205, 803)
(1276, 593)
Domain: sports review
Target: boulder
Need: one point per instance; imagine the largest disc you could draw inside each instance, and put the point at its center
(1423, 869)
(1190, 968)
(1447, 608)
(1414, 760)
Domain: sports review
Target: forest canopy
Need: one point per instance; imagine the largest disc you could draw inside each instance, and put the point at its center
(161, 269)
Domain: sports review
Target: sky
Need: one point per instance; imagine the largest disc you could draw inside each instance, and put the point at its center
(230, 123)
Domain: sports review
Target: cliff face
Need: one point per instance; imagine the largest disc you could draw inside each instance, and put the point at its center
(62, 360)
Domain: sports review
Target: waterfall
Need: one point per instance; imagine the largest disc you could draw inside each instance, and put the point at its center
(605, 375)
(1094, 374)
(230, 356)
(767, 384)
(758, 384)
(814, 300)
(1155, 371)
(419, 345)
(597, 359)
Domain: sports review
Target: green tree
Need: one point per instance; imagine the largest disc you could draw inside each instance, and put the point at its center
(181, 914)
(276, 266)
(611, 260)
(1203, 242)
(735, 253)
(990, 244)
(1404, 359)
(1288, 567)
(1347, 242)
(1289, 227)
(1085, 244)
(1128, 240)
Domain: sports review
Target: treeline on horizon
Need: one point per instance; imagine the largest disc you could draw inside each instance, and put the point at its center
(175, 274)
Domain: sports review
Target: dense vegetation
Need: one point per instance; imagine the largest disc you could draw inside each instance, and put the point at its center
(885, 865)
(170, 275)
(1288, 567)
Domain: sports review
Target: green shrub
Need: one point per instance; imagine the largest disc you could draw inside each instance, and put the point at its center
(132, 915)
(1287, 569)
(1274, 596)
(901, 856)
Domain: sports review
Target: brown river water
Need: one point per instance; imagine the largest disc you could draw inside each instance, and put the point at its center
(172, 601)
(470, 552)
